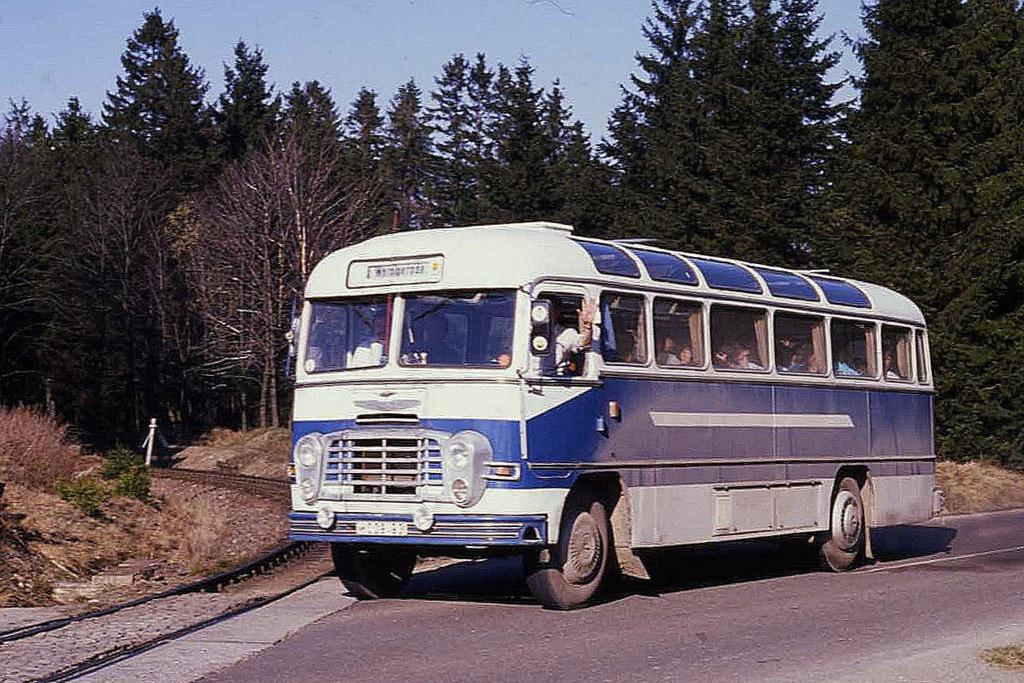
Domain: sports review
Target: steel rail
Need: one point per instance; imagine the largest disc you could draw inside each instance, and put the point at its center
(102, 661)
(210, 584)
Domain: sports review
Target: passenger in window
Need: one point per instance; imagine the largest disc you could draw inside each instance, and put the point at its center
(798, 361)
(890, 367)
(573, 334)
(723, 357)
(439, 348)
(741, 359)
(686, 355)
(845, 366)
(369, 348)
(674, 352)
(668, 354)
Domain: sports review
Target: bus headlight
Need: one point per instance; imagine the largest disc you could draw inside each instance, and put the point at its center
(308, 455)
(465, 458)
(307, 451)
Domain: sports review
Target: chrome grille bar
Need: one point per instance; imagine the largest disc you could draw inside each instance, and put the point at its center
(391, 464)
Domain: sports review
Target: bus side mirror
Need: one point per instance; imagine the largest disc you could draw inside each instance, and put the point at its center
(540, 327)
(292, 337)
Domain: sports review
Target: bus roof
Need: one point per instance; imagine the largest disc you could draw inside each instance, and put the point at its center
(518, 254)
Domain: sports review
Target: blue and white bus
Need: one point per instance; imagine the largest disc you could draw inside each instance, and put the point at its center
(517, 389)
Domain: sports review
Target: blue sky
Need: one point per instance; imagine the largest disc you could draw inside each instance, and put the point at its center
(52, 49)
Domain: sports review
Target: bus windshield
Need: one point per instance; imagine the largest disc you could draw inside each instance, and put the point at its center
(458, 329)
(349, 334)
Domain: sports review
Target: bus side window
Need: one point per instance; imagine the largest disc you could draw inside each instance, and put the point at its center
(678, 333)
(853, 349)
(922, 358)
(800, 344)
(739, 338)
(623, 329)
(896, 353)
(565, 358)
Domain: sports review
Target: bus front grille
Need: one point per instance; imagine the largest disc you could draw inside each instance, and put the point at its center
(394, 465)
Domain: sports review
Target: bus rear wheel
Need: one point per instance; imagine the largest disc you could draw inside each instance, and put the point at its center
(577, 566)
(371, 573)
(845, 543)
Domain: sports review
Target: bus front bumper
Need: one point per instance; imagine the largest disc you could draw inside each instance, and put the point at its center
(446, 529)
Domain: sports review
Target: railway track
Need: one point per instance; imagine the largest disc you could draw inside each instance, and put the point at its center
(261, 486)
(97, 620)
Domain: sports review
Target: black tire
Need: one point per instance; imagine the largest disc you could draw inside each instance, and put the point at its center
(581, 561)
(844, 546)
(371, 573)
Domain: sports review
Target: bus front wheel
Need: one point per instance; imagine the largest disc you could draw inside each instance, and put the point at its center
(371, 573)
(845, 543)
(572, 574)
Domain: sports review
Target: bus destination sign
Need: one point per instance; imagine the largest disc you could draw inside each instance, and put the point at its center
(395, 272)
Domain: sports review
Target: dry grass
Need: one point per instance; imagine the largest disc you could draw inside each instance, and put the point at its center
(979, 487)
(200, 528)
(34, 450)
(257, 452)
(1010, 656)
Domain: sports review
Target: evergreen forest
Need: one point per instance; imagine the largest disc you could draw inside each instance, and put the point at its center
(151, 252)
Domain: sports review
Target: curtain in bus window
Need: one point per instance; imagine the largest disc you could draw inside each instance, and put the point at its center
(628, 343)
(739, 338)
(677, 333)
(896, 353)
(800, 344)
(696, 325)
(820, 352)
(922, 358)
(853, 348)
(761, 332)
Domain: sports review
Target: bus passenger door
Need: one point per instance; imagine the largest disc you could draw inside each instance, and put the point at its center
(563, 403)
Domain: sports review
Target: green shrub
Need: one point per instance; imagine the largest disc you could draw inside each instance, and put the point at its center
(118, 461)
(87, 494)
(133, 483)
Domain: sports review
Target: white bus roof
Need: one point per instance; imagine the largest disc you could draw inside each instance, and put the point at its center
(518, 254)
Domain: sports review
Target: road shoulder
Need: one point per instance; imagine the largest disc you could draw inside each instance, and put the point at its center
(231, 641)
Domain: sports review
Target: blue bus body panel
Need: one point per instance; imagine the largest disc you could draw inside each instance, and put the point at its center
(881, 424)
(567, 439)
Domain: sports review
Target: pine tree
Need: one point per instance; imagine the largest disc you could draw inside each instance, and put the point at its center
(520, 181)
(159, 103)
(931, 201)
(453, 186)
(722, 143)
(248, 109)
(29, 229)
(657, 136)
(311, 114)
(409, 157)
(364, 135)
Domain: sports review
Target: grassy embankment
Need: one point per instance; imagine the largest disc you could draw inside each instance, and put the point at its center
(66, 515)
(979, 487)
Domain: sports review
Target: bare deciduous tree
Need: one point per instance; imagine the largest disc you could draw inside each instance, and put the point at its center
(259, 231)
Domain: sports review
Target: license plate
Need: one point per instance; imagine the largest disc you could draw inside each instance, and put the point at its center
(376, 528)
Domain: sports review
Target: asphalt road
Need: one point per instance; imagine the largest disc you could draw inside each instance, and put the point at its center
(938, 594)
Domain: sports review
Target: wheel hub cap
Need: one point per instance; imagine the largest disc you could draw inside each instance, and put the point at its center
(584, 552)
(846, 520)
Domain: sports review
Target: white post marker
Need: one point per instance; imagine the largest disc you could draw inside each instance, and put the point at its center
(149, 441)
